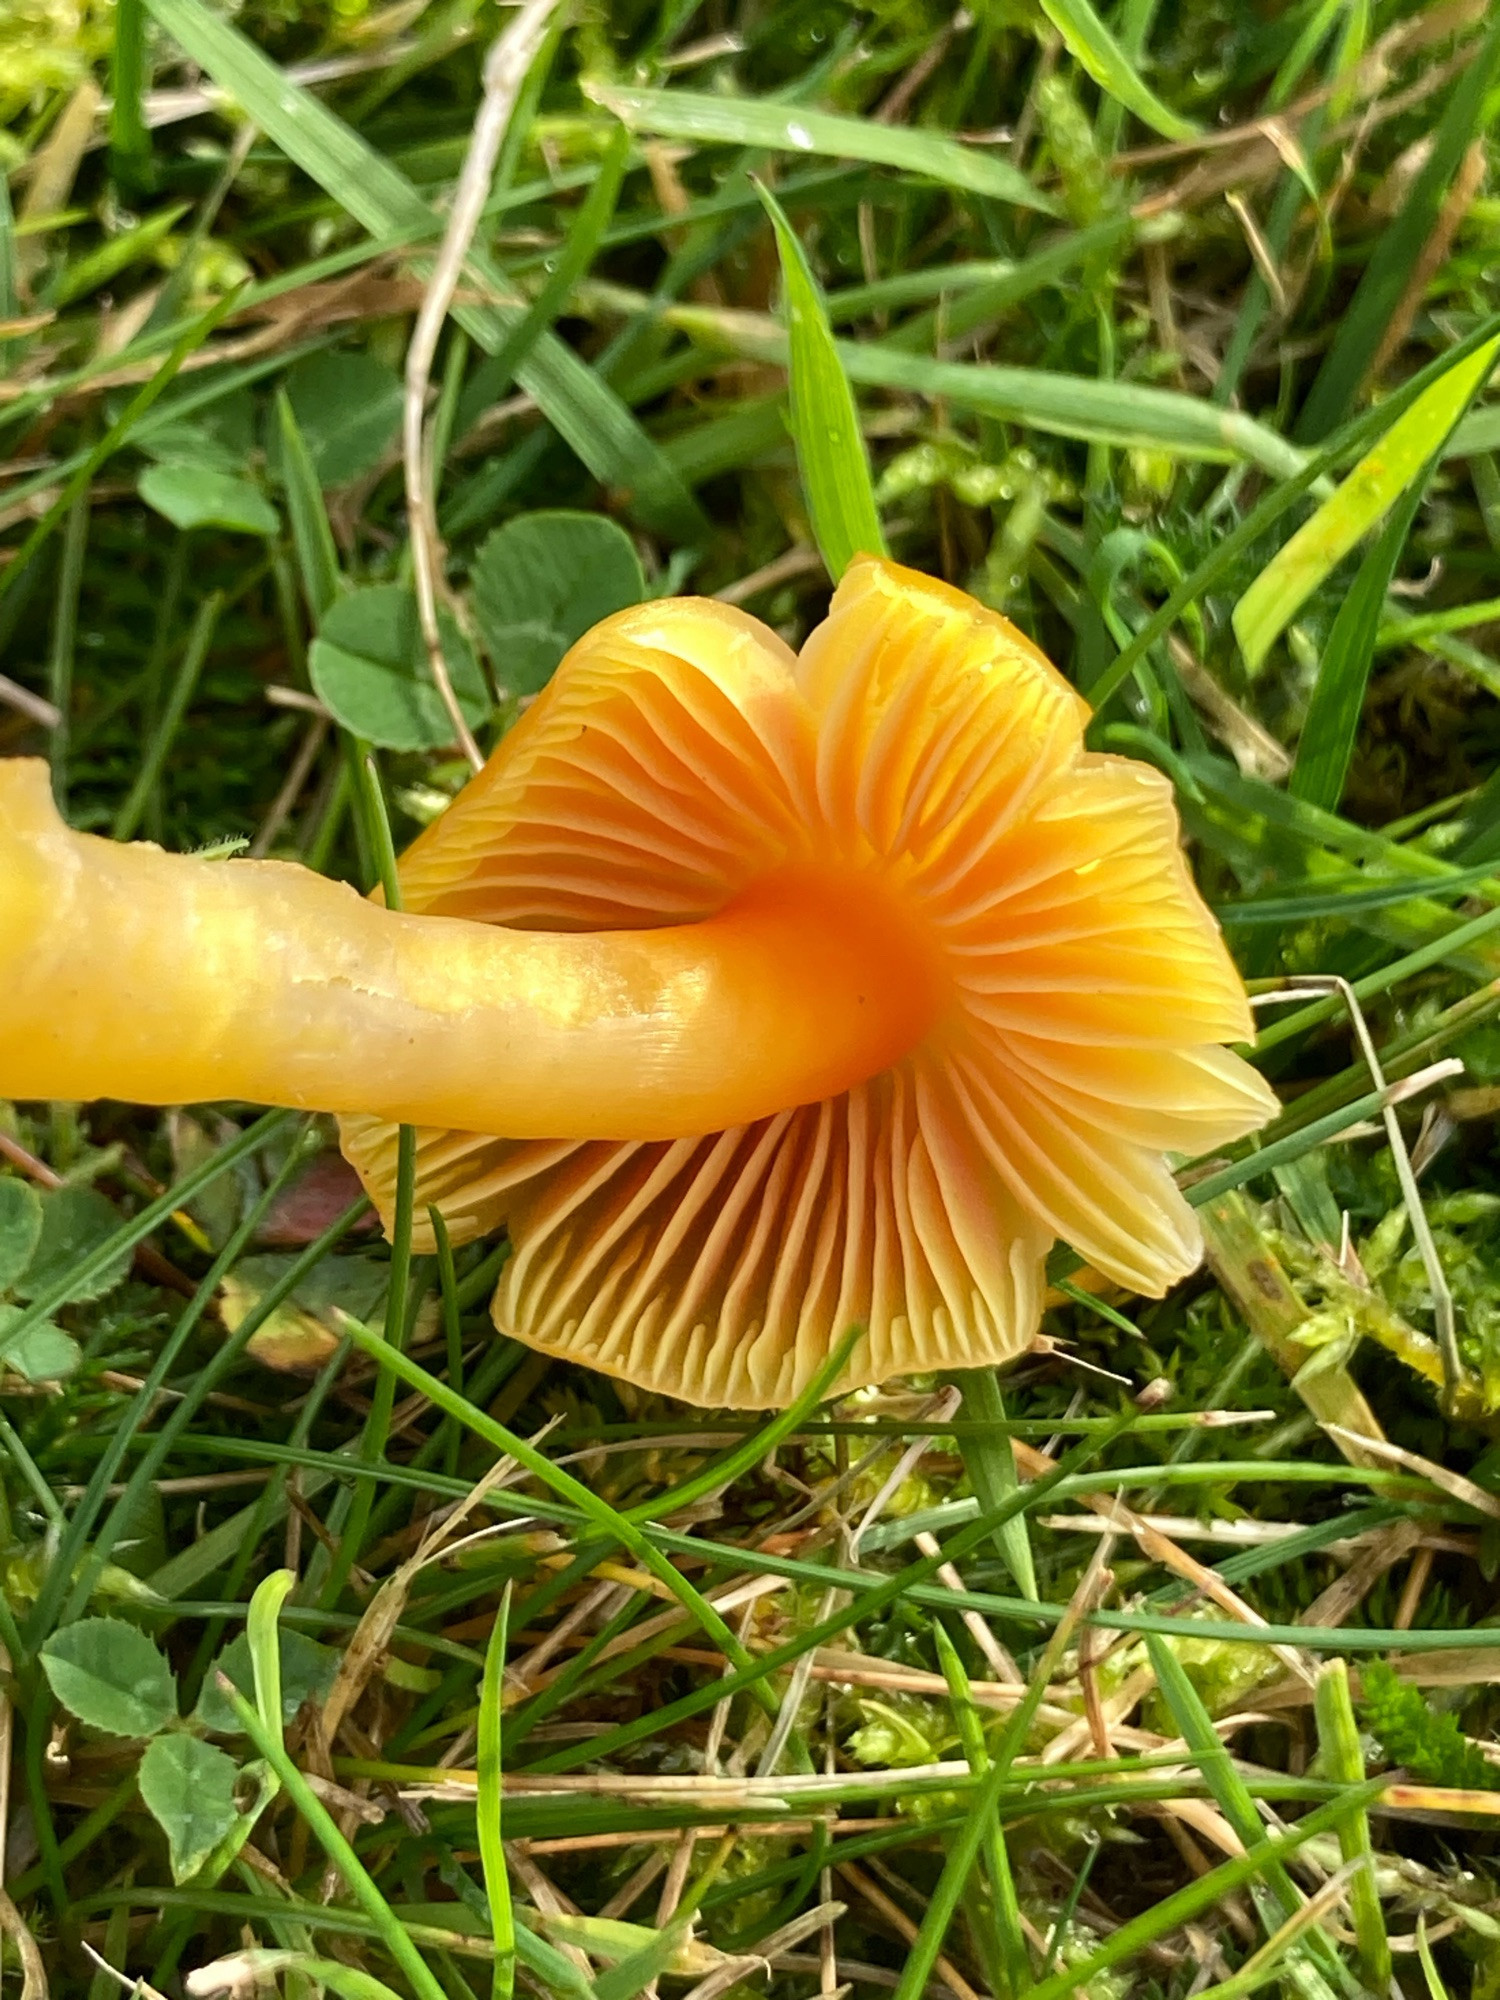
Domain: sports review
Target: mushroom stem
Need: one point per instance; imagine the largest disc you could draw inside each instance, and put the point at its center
(160, 978)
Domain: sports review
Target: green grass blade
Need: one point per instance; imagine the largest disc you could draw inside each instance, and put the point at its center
(793, 128)
(159, 1443)
(1399, 970)
(388, 1926)
(1095, 50)
(261, 1629)
(991, 1465)
(1362, 327)
(1132, 415)
(872, 1598)
(132, 246)
(582, 408)
(1436, 1988)
(1129, 414)
(1327, 742)
(1010, 1938)
(129, 135)
(598, 1511)
(493, 378)
(64, 644)
(312, 536)
(1344, 1760)
(73, 1561)
(1280, 910)
(958, 1866)
(1222, 558)
(9, 297)
(1387, 471)
(140, 1226)
(760, 1444)
(1156, 1922)
(1195, 1725)
(348, 1982)
(633, 1974)
(490, 1804)
(1326, 745)
(825, 423)
(971, 301)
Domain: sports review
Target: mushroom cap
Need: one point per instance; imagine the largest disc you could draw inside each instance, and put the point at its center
(682, 753)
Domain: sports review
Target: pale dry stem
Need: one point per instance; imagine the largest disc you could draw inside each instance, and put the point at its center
(504, 73)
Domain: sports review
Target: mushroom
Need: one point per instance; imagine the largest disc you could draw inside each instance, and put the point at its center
(757, 996)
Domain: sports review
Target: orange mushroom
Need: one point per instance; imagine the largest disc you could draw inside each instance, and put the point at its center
(756, 996)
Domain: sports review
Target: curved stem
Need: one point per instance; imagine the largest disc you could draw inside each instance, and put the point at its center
(165, 979)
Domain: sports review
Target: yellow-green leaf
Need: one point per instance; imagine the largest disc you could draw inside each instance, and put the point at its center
(1370, 490)
(825, 423)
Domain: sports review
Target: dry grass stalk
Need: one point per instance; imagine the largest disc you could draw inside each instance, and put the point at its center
(504, 73)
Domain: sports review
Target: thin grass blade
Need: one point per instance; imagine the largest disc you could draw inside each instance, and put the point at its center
(312, 536)
(490, 1804)
(1343, 1757)
(391, 1931)
(494, 376)
(1361, 329)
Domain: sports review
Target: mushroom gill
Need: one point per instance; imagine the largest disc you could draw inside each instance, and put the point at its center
(1057, 988)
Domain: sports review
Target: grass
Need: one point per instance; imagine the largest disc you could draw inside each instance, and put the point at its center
(458, 1663)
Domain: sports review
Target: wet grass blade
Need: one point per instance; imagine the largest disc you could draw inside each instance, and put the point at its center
(494, 376)
(825, 423)
(793, 128)
(1095, 50)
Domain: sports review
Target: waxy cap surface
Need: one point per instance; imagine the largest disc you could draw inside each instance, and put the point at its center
(1057, 987)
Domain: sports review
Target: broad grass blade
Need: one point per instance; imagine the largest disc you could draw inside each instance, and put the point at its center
(789, 128)
(1095, 49)
(1371, 489)
(825, 423)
